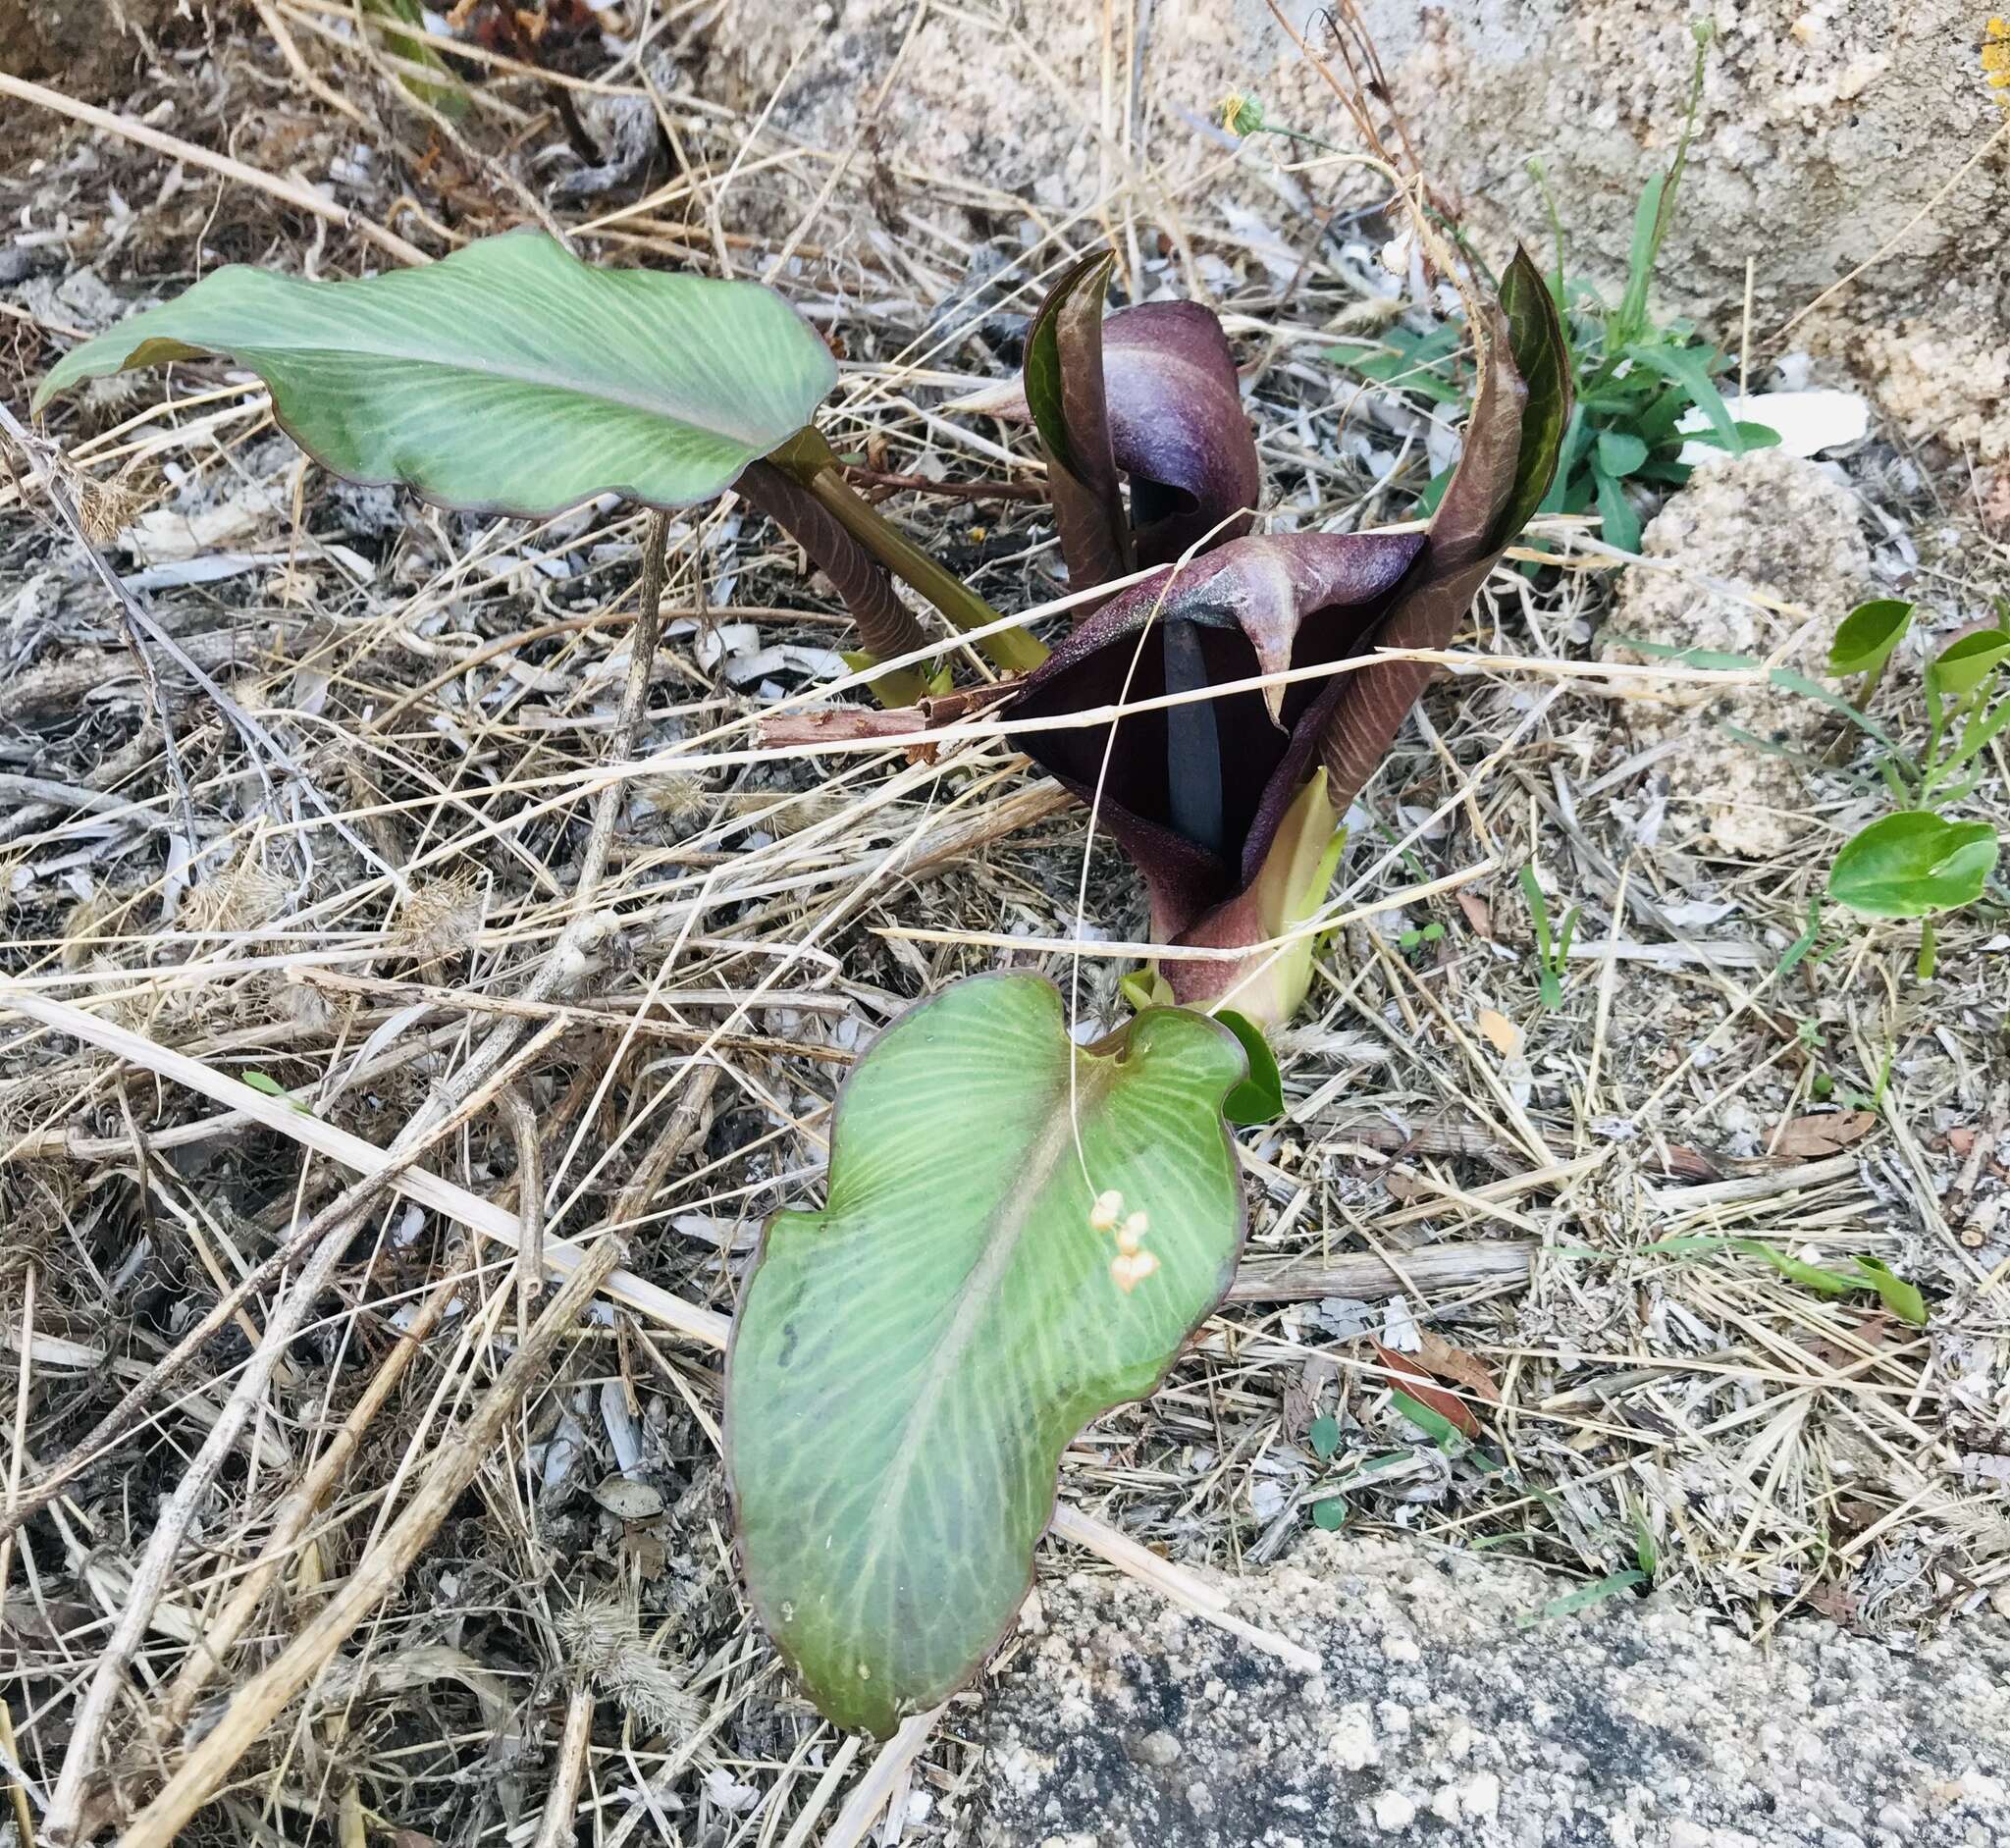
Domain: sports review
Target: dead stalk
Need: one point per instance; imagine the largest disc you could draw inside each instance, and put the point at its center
(555, 1827)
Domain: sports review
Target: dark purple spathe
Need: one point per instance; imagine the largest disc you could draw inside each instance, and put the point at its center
(1258, 606)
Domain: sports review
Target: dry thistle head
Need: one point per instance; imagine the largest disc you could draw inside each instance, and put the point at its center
(239, 898)
(442, 919)
(603, 1640)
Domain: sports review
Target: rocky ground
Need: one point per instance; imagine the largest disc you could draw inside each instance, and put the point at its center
(1464, 1702)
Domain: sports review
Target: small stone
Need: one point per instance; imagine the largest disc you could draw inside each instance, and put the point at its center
(1480, 1795)
(629, 1501)
(1400, 1648)
(1446, 1805)
(1156, 1749)
(1352, 1742)
(1200, 1798)
(1394, 1811)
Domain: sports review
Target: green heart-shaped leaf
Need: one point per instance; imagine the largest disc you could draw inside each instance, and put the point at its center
(509, 377)
(1259, 1097)
(1867, 636)
(1967, 661)
(1913, 864)
(909, 1363)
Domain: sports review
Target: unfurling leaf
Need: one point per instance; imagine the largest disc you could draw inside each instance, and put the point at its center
(509, 377)
(1259, 1097)
(1064, 395)
(1513, 441)
(1865, 637)
(909, 1363)
(1914, 864)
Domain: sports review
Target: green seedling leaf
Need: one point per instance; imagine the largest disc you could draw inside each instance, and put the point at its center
(509, 377)
(1902, 1299)
(1789, 681)
(446, 95)
(1685, 657)
(1912, 865)
(1433, 1425)
(1797, 950)
(1586, 1596)
(1415, 363)
(1619, 452)
(909, 1363)
(1967, 661)
(1750, 436)
(1618, 523)
(1328, 1515)
(1259, 1097)
(1689, 368)
(1824, 1283)
(271, 1087)
(1440, 1408)
(1325, 1437)
(1868, 635)
(1631, 316)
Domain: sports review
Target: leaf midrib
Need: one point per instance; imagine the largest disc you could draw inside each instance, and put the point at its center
(509, 375)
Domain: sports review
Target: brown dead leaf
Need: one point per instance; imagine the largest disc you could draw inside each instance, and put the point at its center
(1405, 1187)
(1417, 1384)
(1476, 911)
(1502, 1033)
(1838, 1603)
(1876, 1329)
(1810, 1138)
(1438, 1355)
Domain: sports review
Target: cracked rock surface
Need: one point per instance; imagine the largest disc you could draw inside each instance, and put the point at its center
(1450, 1710)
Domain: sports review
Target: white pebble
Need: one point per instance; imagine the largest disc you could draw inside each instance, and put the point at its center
(1394, 1811)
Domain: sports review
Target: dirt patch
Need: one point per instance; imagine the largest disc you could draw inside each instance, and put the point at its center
(86, 49)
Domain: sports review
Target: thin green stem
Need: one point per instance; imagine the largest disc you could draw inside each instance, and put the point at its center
(1013, 650)
(1928, 943)
(808, 459)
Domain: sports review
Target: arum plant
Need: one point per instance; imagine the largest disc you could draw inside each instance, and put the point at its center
(1019, 1231)
(1225, 790)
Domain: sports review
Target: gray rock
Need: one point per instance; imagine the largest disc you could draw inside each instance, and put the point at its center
(1451, 1712)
